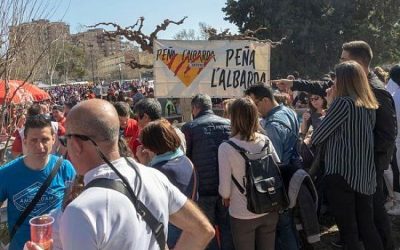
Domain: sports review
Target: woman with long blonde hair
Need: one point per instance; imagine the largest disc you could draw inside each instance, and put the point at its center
(347, 135)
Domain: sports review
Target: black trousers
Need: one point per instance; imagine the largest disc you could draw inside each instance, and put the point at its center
(354, 216)
(381, 218)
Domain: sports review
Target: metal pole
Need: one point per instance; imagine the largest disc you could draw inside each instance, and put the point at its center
(91, 55)
(120, 75)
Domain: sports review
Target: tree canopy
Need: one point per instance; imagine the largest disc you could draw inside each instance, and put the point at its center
(71, 63)
(316, 29)
(191, 34)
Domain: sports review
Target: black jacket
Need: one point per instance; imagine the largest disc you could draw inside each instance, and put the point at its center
(385, 130)
(203, 136)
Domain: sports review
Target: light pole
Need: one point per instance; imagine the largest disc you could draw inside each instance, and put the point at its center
(120, 75)
(91, 58)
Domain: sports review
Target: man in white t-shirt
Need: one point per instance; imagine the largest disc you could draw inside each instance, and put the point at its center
(101, 218)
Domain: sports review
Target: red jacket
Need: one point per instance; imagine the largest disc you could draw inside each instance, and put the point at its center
(131, 135)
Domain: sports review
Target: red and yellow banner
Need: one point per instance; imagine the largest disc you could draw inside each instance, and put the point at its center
(217, 68)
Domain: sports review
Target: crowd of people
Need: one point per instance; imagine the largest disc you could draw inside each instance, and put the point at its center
(144, 183)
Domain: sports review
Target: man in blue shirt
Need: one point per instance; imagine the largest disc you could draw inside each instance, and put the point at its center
(21, 178)
(279, 122)
(282, 128)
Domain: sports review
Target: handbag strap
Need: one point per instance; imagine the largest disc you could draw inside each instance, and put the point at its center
(194, 191)
(35, 199)
(156, 227)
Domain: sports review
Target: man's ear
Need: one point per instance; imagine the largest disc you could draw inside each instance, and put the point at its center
(24, 141)
(76, 146)
(266, 100)
(146, 118)
(53, 138)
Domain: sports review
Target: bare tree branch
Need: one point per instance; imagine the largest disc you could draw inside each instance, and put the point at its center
(247, 35)
(135, 65)
(38, 59)
(14, 16)
(254, 32)
(163, 26)
(136, 35)
(140, 20)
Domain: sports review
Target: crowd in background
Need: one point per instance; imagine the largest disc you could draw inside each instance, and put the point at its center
(336, 138)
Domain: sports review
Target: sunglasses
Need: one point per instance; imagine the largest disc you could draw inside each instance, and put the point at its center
(314, 98)
(63, 139)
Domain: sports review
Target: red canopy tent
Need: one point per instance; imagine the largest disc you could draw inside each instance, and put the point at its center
(27, 93)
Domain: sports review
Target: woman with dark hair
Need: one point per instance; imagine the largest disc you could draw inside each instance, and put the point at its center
(160, 149)
(250, 231)
(313, 117)
(346, 133)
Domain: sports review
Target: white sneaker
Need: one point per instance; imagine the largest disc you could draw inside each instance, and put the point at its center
(395, 209)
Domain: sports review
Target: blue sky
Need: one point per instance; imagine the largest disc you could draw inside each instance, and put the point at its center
(125, 12)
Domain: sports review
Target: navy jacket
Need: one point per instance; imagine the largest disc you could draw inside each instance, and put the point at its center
(203, 136)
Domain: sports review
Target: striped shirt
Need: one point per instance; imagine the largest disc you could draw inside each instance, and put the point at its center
(347, 133)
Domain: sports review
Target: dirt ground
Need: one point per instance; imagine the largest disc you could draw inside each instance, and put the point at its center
(329, 233)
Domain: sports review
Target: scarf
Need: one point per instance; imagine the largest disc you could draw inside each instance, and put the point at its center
(166, 156)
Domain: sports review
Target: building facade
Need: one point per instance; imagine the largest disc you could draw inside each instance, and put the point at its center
(93, 39)
(117, 66)
(103, 59)
(39, 39)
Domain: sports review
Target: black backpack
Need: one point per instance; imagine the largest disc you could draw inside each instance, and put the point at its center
(263, 183)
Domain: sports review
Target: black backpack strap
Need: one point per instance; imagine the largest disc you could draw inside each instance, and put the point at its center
(156, 227)
(237, 184)
(35, 199)
(243, 153)
(241, 150)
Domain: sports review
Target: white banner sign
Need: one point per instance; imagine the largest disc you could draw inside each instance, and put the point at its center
(217, 68)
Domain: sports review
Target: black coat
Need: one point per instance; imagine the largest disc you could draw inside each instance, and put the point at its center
(203, 136)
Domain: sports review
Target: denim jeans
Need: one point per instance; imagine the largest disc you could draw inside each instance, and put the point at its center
(286, 233)
(218, 216)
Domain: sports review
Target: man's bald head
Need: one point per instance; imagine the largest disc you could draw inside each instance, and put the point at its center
(95, 118)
